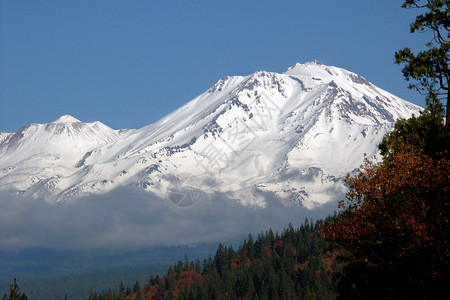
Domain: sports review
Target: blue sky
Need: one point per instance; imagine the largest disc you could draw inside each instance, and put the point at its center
(129, 63)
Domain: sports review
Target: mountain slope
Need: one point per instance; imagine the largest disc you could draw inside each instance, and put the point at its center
(292, 136)
(38, 152)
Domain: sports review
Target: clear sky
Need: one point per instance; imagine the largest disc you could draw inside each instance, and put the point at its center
(129, 63)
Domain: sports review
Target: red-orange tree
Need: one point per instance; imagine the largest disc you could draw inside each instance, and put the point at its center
(394, 227)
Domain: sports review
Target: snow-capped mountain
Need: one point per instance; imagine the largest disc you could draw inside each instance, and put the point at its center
(293, 135)
(39, 152)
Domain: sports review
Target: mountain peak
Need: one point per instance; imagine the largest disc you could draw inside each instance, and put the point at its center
(310, 63)
(314, 68)
(246, 137)
(66, 119)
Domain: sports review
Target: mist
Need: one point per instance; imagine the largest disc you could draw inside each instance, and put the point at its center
(127, 218)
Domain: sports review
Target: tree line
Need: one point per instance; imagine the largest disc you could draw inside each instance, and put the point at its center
(295, 264)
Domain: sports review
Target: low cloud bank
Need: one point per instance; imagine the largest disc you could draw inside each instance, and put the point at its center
(127, 218)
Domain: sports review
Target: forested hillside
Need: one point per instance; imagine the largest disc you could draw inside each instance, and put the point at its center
(77, 286)
(298, 263)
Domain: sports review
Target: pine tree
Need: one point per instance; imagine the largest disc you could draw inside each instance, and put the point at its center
(429, 68)
(425, 132)
(121, 293)
(136, 287)
(14, 292)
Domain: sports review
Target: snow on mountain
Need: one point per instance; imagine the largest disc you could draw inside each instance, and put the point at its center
(38, 152)
(293, 136)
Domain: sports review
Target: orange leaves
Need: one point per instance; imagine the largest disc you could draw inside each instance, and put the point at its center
(188, 278)
(394, 206)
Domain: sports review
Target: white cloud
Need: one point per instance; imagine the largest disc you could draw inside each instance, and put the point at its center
(126, 218)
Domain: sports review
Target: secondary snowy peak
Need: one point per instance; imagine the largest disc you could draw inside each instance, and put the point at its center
(61, 133)
(39, 151)
(292, 135)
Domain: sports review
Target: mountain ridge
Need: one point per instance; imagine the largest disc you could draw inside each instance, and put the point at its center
(246, 136)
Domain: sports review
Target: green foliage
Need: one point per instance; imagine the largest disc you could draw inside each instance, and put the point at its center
(295, 264)
(14, 293)
(429, 68)
(426, 132)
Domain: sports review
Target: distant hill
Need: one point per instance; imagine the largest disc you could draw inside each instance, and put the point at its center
(79, 286)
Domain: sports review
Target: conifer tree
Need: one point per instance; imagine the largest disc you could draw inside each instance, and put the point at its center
(429, 68)
(121, 293)
(14, 293)
(136, 287)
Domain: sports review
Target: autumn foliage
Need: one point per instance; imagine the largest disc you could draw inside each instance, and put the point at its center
(394, 227)
(297, 264)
